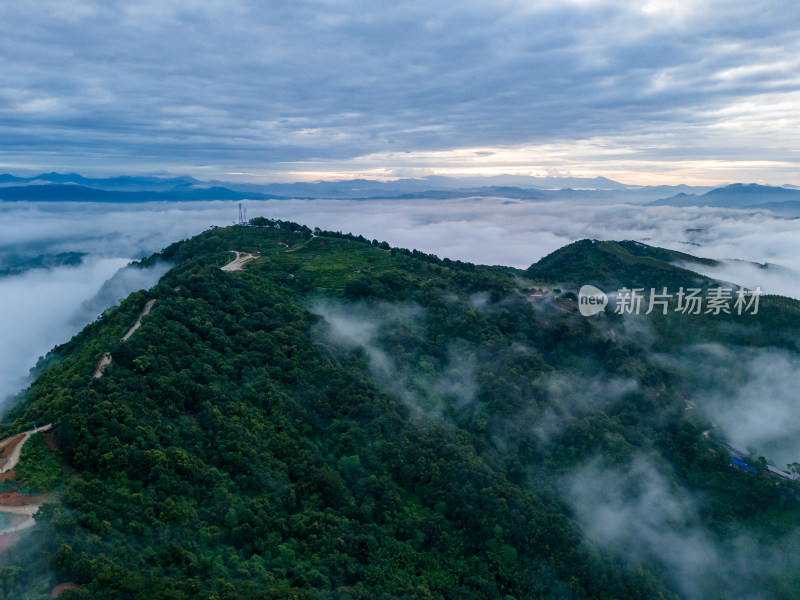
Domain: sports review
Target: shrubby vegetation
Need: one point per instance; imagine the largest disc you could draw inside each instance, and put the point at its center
(237, 448)
(39, 468)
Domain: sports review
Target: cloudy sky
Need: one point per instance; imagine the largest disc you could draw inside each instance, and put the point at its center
(689, 91)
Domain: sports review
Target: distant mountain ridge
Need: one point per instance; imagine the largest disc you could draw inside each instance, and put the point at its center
(736, 195)
(73, 187)
(120, 183)
(350, 187)
(79, 193)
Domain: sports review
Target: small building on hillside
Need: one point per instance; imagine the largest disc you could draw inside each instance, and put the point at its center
(740, 464)
(778, 473)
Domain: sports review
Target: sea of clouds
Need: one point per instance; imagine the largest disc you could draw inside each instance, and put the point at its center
(43, 307)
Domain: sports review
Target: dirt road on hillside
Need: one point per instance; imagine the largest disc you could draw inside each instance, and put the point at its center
(11, 461)
(106, 359)
(145, 312)
(238, 263)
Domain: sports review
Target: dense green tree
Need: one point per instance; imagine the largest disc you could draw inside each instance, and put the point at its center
(241, 446)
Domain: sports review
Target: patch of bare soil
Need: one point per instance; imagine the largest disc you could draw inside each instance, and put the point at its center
(61, 587)
(238, 263)
(104, 361)
(7, 445)
(20, 499)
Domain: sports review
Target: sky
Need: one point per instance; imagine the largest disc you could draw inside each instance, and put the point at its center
(651, 92)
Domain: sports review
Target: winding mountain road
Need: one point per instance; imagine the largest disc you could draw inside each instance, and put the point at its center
(145, 312)
(106, 359)
(12, 460)
(30, 522)
(238, 263)
(27, 510)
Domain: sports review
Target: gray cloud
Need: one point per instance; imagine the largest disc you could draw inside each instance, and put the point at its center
(42, 308)
(111, 230)
(570, 397)
(772, 277)
(270, 86)
(639, 514)
(750, 396)
(117, 288)
(483, 230)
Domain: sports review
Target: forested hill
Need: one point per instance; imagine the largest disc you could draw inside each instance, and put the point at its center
(614, 264)
(341, 419)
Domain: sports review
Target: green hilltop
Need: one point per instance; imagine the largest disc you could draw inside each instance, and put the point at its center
(342, 419)
(617, 264)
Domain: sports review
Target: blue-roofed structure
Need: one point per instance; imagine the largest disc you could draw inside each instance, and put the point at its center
(740, 464)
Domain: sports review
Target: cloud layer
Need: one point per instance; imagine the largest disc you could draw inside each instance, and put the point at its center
(314, 88)
(485, 230)
(37, 309)
(640, 514)
(482, 230)
(750, 397)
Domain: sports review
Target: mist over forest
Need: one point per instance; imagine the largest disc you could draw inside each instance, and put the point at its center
(602, 432)
(47, 302)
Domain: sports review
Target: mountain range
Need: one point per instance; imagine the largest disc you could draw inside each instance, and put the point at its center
(739, 195)
(297, 413)
(52, 187)
(74, 187)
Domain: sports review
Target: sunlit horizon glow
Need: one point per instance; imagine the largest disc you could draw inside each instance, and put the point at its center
(553, 161)
(580, 161)
(693, 173)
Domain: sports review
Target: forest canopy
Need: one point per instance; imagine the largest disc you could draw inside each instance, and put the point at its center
(343, 419)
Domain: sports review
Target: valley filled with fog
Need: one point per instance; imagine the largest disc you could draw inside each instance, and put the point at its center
(45, 306)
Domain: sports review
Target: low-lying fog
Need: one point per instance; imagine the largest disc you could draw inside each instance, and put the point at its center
(44, 307)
